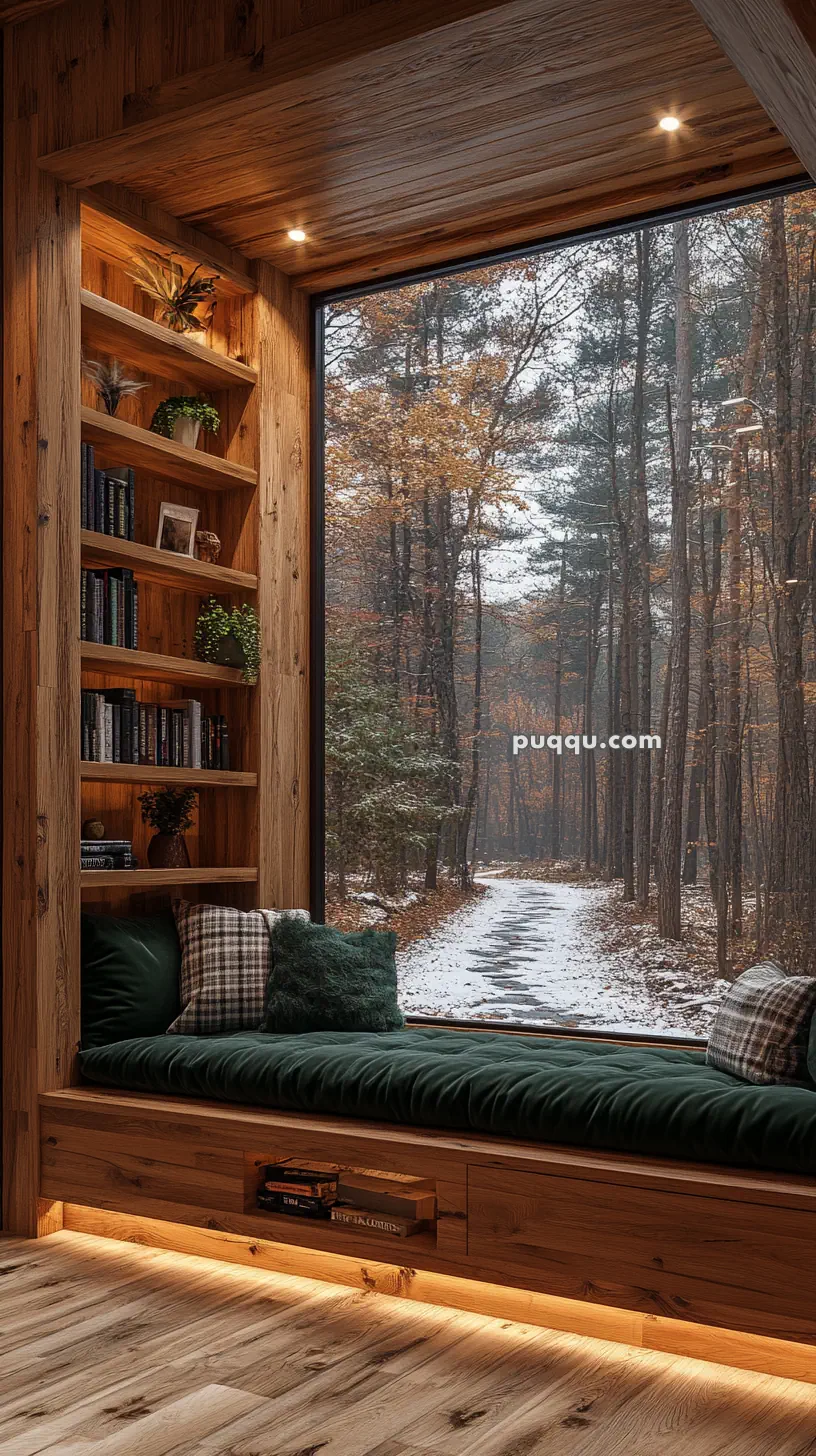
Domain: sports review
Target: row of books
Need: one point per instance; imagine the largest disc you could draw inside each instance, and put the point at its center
(118, 729)
(399, 1207)
(107, 854)
(108, 498)
(109, 607)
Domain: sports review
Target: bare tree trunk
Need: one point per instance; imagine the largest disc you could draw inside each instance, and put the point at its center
(555, 834)
(670, 851)
(643, 809)
(472, 796)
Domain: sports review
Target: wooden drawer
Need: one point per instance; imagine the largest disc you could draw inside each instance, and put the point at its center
(697, 1253)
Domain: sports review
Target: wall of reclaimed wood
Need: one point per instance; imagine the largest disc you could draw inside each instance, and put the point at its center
(65, 73)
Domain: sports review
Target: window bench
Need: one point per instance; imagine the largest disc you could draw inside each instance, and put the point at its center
(647, 1241)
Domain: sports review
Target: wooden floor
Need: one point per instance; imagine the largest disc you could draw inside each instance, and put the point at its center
(108, 1348)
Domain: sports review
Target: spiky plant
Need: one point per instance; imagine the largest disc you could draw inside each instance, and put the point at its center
(178, 297)
(111, 382)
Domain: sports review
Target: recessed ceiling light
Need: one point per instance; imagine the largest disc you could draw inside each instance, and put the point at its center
(296, 235)
(670, 123)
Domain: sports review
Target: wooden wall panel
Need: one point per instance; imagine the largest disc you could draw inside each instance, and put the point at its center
(41, 627)
(283, 597)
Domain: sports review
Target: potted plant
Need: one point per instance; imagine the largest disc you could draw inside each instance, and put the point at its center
(230, 637)
(177, 297)
(170, 813)
(111, 382)
(183, 416)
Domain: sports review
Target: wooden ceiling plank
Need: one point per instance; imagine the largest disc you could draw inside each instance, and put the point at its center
(231, 90)
(553, 216)
(772, 43)
(505, 153)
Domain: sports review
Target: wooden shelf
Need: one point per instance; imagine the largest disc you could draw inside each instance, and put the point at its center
(108, 328)
(126, 444)
(153, 667)
(136, 773)
(165, 568)
(153, 879)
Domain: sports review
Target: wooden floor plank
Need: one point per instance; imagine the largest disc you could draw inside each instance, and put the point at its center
(160, 1354)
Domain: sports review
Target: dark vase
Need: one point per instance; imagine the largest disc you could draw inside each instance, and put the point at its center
(168, 852)
(230, 652)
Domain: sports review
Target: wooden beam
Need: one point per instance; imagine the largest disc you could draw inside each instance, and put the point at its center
(41, 559)
(285, 74)
(12, 10)
(282, 317)
(773, 44)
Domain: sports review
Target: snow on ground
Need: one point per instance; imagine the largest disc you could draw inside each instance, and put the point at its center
(532, 952)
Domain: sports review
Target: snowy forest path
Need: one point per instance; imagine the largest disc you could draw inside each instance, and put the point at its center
(529, 951)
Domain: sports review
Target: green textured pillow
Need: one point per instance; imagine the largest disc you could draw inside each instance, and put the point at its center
(325, 980)
(130, 977)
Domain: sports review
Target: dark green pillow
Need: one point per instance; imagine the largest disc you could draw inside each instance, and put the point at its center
(130, 977)
(325, 980)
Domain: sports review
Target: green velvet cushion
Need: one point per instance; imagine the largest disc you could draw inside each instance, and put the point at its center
(661, 1101)
(130, 977)
(324, 980)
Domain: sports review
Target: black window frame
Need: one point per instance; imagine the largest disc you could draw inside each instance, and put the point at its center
(317, 599)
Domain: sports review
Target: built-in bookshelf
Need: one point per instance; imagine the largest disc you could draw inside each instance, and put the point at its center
(219, 478)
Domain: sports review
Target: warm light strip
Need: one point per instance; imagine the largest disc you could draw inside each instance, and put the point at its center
(597, 1321)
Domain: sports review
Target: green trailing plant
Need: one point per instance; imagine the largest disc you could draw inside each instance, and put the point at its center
(217, 624)
(168, 811)
(189, 406)
(178, 295)
(111, 382)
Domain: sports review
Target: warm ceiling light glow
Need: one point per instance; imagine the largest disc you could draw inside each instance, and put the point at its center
(747, 429)
(738, 399)
(669, 123)
(296, 235)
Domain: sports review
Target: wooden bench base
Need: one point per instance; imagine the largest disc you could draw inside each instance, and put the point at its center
(708, 1261)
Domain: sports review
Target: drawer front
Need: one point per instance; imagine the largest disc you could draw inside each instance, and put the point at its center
(565, 1234)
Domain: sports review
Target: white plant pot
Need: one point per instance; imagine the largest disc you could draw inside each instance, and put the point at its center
(186, 431)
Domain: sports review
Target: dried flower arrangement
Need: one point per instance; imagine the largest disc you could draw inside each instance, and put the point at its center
(178, 297)
(111, 383)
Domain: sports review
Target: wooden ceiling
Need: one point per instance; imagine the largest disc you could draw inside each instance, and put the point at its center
(412, 132)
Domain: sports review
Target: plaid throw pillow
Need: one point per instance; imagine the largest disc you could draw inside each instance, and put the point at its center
(761, 1030)
(225, 960)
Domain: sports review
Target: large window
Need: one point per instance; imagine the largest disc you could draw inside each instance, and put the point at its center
(570, 622)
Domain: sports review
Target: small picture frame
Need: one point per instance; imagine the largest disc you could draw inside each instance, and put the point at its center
(177, 529)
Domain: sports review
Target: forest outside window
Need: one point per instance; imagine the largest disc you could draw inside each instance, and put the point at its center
(570, 705)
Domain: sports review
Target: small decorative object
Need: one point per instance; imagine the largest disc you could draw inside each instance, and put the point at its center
(178, 297)
(182, 416)
(230, 637)
(177, 528)
(208, 546)
(111, 383)
(93, 829)
(170, 813)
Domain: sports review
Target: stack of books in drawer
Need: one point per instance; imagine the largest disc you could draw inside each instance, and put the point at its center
(384, 1205)
(305, 1192)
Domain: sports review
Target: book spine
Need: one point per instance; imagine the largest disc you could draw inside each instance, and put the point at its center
(195, 734)
(135, 616)
(116, 718)
(107, 862)
(89, 487)
(131, 504)
(99, 500)
(97, 634)
(107, 718)
(225, 748)
(110, 506)
(121, 510)
(83, 605)
(83, 486)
